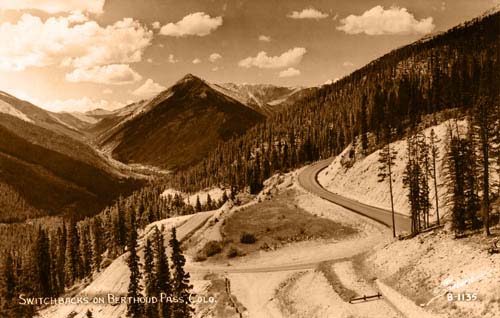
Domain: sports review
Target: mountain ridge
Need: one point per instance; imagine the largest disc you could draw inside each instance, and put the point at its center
(178, 126)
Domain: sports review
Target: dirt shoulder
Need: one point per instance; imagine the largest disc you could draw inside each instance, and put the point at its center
(432, 267)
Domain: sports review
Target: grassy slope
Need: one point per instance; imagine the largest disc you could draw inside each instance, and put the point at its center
(276, 222)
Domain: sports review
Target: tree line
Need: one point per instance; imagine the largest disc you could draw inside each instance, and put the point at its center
(55, 257)
(395, 91)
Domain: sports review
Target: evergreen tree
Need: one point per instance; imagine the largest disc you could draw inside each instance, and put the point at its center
(209, 204)
(411, 180)
(456, 182)
(180, 280)
(163, 281)
(9, 279)
(151, 309)
(72, 254)
(120, 227)
(43, 274)
(96, 229)
(86, 252)
(61, 254)
(425, 166)
(197, 206)
(483, 121)
(134, 307)
(386, 159)
(433, 141)
(364, 125)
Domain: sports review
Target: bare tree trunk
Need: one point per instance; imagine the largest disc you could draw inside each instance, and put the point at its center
(435, 184)
(390, 189)
(485, 206)
(485, 138)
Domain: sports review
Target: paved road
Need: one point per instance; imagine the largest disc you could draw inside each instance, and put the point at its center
(308, 180)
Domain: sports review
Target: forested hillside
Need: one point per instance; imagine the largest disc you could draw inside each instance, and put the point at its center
(451, 70)
(179, 126)
(47, 169)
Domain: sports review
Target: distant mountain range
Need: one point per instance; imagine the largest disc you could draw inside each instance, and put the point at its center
(63, 162)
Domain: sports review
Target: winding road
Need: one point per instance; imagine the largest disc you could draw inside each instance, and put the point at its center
(309, 181)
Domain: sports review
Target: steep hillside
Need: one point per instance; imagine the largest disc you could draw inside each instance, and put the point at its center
(455, 69)
(28, 112)
(52, 172)
(179, 126)
(356, 177)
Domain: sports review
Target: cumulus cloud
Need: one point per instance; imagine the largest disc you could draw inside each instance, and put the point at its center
(198, 23)
(196, 61)
(172, 59)
(71, 41)
(148, 89)
(116, 74)
(214, 57)
(156, 25)
(264, 38)
(262, 60)
(309, 13)
(290, 72)
(379, 21)
(107, 91)
(54, 6)
(347, 64)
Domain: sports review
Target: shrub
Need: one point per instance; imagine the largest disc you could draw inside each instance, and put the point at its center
(210, 249)
(234, 252)
(200, 257)
(247, 238)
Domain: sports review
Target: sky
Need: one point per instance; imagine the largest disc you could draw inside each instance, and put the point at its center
(77, 55)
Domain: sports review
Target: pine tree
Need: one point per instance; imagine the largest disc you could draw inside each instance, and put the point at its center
(10, 287)
(455, 180)
(163, 281)
(197, 206)
(134, 307)
(42, 252)
(151, 309)
(411, 180)
(364, 125)
(433, 143)
(72, 254)
(208, 204)
(96, 229)
(120, 227)
(54, 266)
(482, 120)
(86, 252)
(425, 166)
(61, 254)
(180, 280)
(387, 156)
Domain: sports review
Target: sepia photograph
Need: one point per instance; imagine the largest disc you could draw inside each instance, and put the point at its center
(249, 158)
